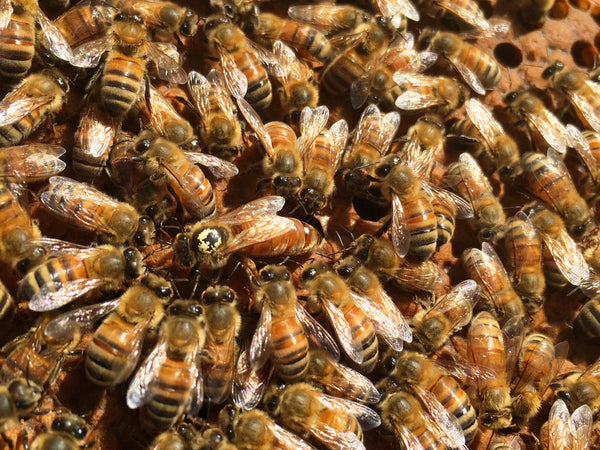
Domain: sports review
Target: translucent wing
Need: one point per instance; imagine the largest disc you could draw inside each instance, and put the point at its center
(464, 210)
(86, 316)
(89, 54)
(360, 90)
(468, 75)
(413, 98)
(316, 333)
(249, 385)
(48, 300)
(32, 162)
(463, 297)
(266, 57)
(56, 247)
(472, 176)
(365, 389)
(418, 277)
(585, 110)
(326, 18)
(465, 370)
(343, 331)
(550, 128)
(261, 344)
(473, 15)
(138, 390)
(333, 439)
(312, 121)
(96, 132)
(409, 440)
(376, 128)
(256, 123)
(201, 89)
(568, 257)
(217, 166)
(236, 81)
(581, 427)
(367, 418)
(197, 394)
(168, 69)
(559, 431)
(6, 10)
(289, 440)
(483, 120)
(393, 9)
(52, 38)
(253, 210)
(399, 230)
(18, 104)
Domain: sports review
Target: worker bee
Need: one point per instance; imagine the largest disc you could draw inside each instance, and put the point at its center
(372, 139)
(73, 271)
(469, 12)
(284, 327)
(253, 229)
(331, 17)
(67, 431)
(165, 16)
(220, 347)
(485, 267)
(421, 92)
(85, 206)
(549, 180)
(19, 398)
(321, 160)
(339, 380)
(116, 345)
(450, 313)
(466, 177)
(124, 68)
(25, 108)
(84, 22)
(495, 148)
(30, 163)
(169, 383)
(478, 69)
(18, 37)
(585, 325)
(333, 422)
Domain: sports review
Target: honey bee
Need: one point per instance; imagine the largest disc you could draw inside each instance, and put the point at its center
(469, 12)
(18, 37)
(31, 163)
(220, 347)
(116, 345)
(169, 383)
(321, 161)
(253, 229)
(254, 429)
(284, 327)
(466, 177)
(67, 431)
(125, 66)
(163, 159)
(25, 108)
(495, 148)
(585, 325)
(85, 206)
(450, 313)
(485, 267)
(372, 139)
(19, 398)
(85, 21)
(333, 422)
(339, 380)
(538, 363)
(73, 271)
(533, 13)
(421, 92)
(478, 69)
(524, 257)
(549, 180)
(167, 16)
(331, 17)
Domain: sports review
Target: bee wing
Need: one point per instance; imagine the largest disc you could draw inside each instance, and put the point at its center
(382, 127)
(312, 121)
(47, 300)
(223, 360)
(6, 10)
(264, 228)
(321, 17)
(581, 424)
(266, 57)
(550, 128)
(249, 385)
(465, 370)
(86, 316)
(89, 54)
(413, 98)
(235, 80)
(360, 89)
(366, 390)
(168, 69)
(367, 418)
(160, 109)
(217, 166)
(395, 9)
(464, 210)
(138, 390)
(289, 440)
(343, 330)
(576, 139)
(585, 109)
(470, 170)
(316, 333)
(32, 162)
(333, 439)
(13, 108)
(256, 123)
(468, 75)
(568, 257)
(559, 426)
(265, 206)
(338, 135)
(399, 229)
(52, 38)
(261, 345)
(483, 120)
(428, 281)
(97, 132)
(409, 440)
(473, 17)
(56, 247)
(197, 394)
(464, 296)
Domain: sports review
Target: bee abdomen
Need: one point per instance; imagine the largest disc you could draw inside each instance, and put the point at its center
(17, 46)
(121, 83)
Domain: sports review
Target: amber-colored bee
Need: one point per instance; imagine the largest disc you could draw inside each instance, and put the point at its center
(330, 17)
(84, 22)
(564, 430)
(169, 383)
(124, 68)
(68, 431)
(85, 206)
(589, 153)
(76, 271)
(26, 107)
(467, 11)
(485, 267)
(467, 178)
(450, 313)
(19, 398)
(253, 229)
(18, 37)
(372, 139)
(496, 150)
(485, 347)
(166, 16)
(549, 180)
(339, 380)
(30, 163)
(116, 346)
(223, 323)
(421, 92)
(332, 422)
(280, 333)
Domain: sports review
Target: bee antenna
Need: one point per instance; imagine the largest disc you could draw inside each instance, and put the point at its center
(156, 250)
(237, 265)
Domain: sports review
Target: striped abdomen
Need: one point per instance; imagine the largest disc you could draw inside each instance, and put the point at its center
(299, 238)
(587, 322)
(342, 72)
(84, 22)
(260, 92)
(422, 225)
(308, 41)
(18, 229)
(17, 131)
(192, 189)
(480, 63)
(121, 82)
(363, 333)
(445, 218)
(289, 347)
(6, 300)
(17, 46)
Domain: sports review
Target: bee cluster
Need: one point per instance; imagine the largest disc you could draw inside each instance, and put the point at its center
(241, 224)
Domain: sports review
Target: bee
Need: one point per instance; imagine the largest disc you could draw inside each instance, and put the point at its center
(495, 148)
(421, 92)
(331, 17)
(184, 436)
(169, 383)
(30, 163)
(125, 67)
(339, 380)
(466, 178)
(450, 313)
(284, 327)
(18, 37)
(321, 161)
(67, 431)
(26, 107)
(253, 229)
(477, 68)
(331, 421)
(254, 429)
(163, 159)
(589, 153)
(468, 11)
(116, 345)
(485, 267)
(372, 139)
(85, 206)
(19, 399)
(585, 325)
(84, 22)
(533, 13)
(166, 16)
(223, 323)
(549, 180)
(73, 271)
(539, 361)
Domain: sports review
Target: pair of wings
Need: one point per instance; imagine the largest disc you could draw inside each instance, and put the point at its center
(569, 431)
(30, 163)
